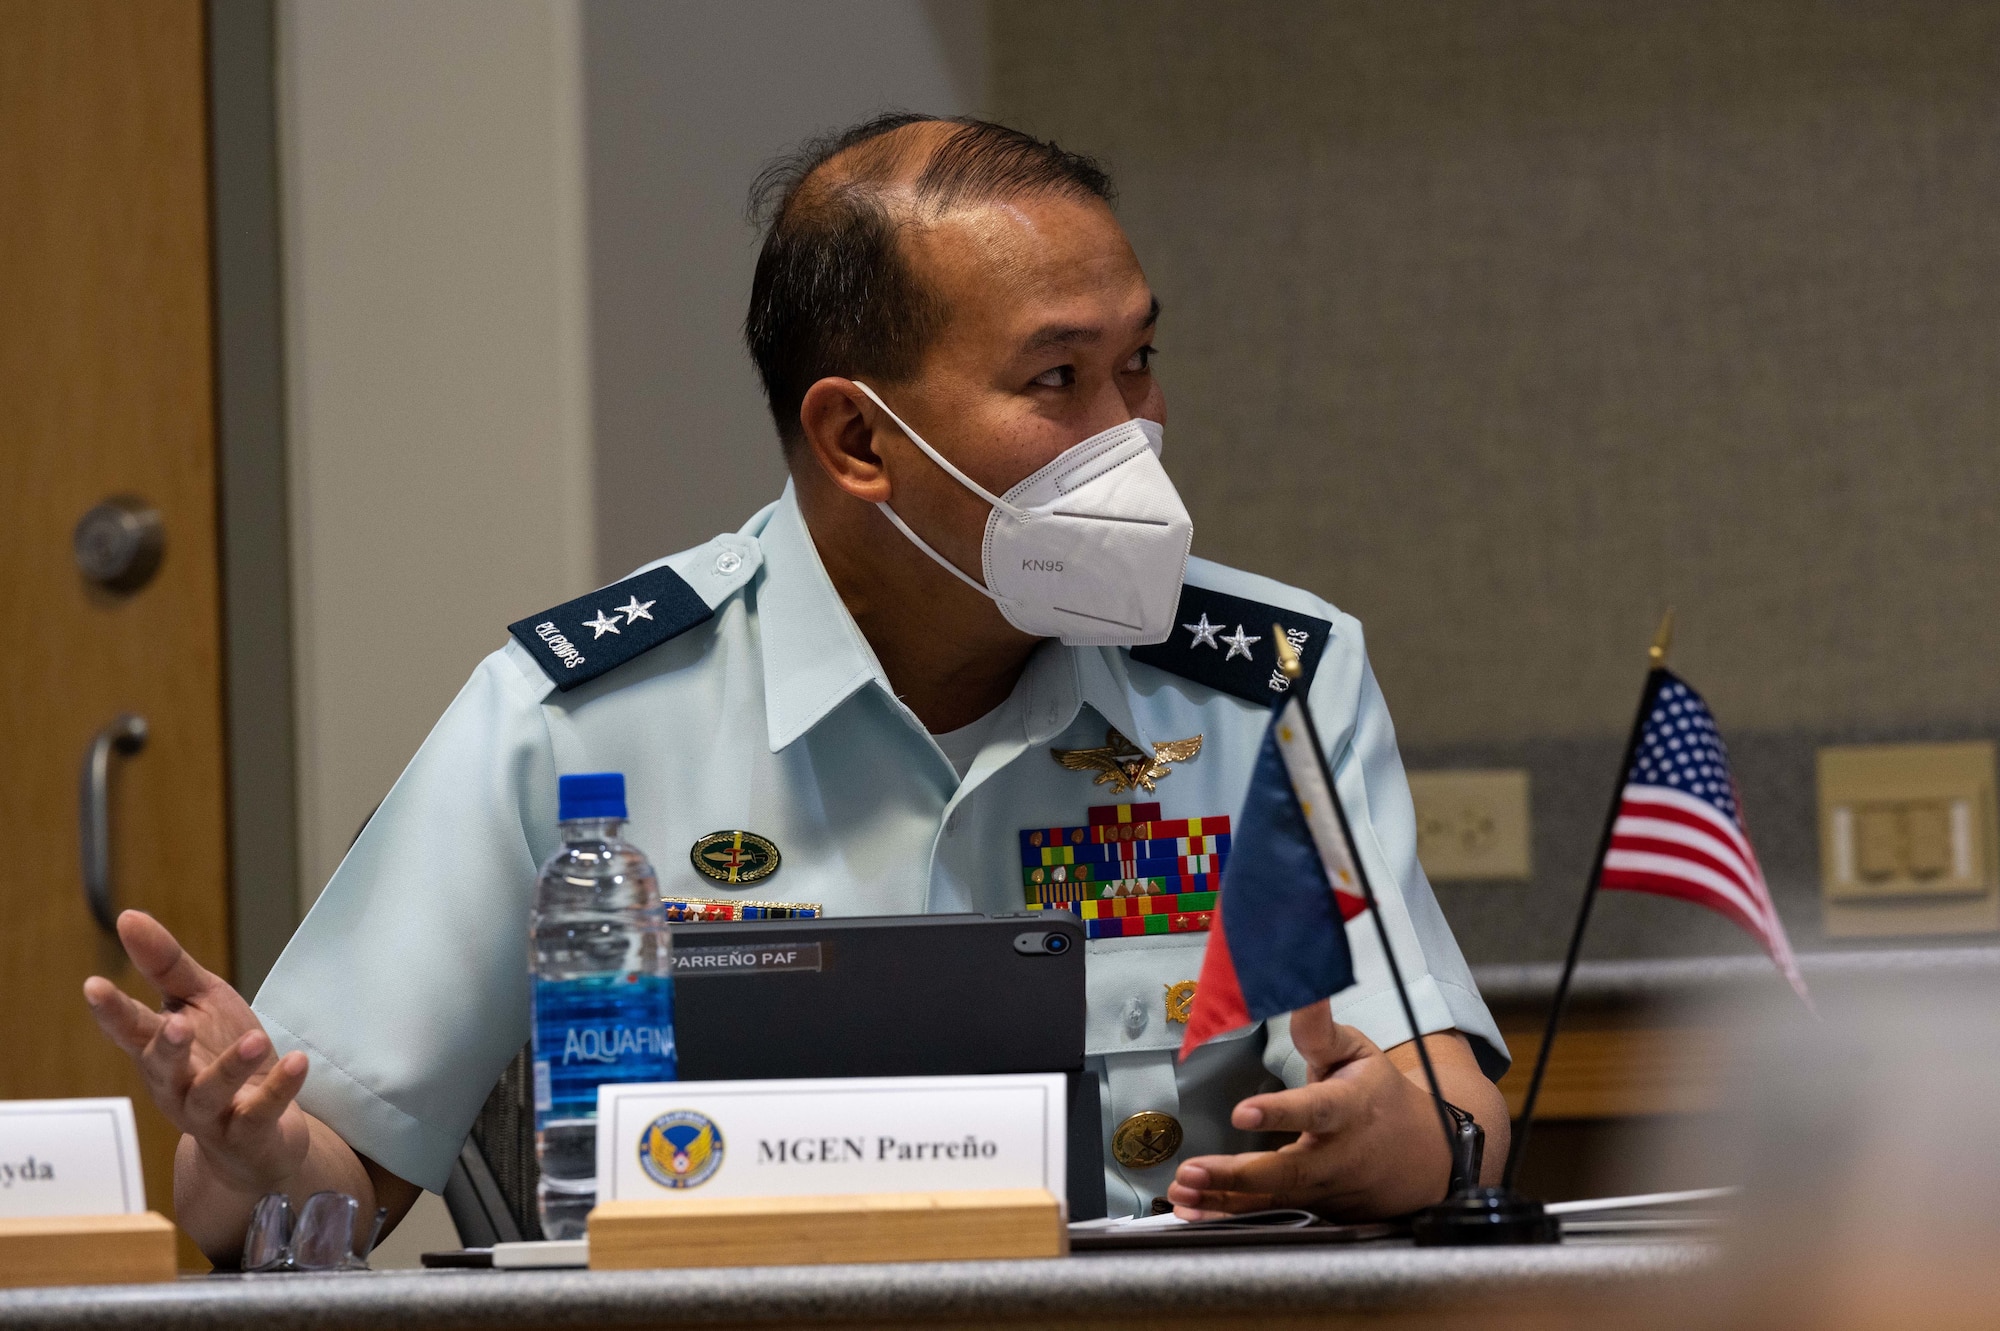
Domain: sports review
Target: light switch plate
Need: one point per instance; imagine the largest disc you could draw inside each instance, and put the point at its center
(1908, 840)
(1472, 825)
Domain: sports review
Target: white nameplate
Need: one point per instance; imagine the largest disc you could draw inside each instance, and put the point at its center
(69, 1157)
(831, 1136)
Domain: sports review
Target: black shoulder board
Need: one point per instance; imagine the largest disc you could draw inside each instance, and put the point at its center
(1224, 641)
(581, 639)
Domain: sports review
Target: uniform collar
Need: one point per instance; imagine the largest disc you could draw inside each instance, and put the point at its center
(1104, 682)
(815, 656)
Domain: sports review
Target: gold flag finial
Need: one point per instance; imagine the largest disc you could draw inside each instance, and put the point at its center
(1662, 640)
(1288, 655)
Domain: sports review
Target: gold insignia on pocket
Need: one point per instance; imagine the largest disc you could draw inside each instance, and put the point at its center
(734, 857)
(1124, 765)
(1180, 1001)
(1146, 1139)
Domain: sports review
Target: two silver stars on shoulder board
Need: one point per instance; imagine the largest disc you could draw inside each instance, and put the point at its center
(634, 610)
(1204, 636)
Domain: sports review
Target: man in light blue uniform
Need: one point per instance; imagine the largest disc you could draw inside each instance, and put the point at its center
(862, 677)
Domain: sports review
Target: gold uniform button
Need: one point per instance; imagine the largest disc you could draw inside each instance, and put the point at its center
(1146, 1139)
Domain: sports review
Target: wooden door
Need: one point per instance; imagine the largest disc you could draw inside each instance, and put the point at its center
(105, 389)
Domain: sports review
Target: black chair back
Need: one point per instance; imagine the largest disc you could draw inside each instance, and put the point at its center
(491, 1195)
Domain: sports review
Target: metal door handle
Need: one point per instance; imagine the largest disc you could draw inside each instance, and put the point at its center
(126, 735)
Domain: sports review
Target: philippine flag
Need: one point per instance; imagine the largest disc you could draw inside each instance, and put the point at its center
(1279, 936)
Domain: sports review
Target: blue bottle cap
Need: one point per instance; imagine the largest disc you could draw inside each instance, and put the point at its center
(590, 795)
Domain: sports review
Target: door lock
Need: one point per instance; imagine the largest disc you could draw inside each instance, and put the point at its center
(118, 544)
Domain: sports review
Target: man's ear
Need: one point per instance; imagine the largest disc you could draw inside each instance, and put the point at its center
(839, 424)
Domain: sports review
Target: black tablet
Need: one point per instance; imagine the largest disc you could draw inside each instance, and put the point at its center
(892, 996)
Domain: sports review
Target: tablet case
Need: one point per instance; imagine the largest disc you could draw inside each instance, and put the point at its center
(894, 996)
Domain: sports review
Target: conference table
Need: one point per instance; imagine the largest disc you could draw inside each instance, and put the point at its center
(1265, 1287)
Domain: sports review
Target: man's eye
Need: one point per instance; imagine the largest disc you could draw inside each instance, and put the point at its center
(1062, 376)
(1142, 360)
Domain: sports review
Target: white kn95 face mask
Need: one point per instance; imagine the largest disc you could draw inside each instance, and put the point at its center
(1091, 549)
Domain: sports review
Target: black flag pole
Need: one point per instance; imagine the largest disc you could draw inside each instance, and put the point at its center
(1471, 1214)
(1290, 667)
(1657, 658)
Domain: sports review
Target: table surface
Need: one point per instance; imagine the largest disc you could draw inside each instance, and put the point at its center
(1239, 1283)
(1695, 977)
(1371, 1278)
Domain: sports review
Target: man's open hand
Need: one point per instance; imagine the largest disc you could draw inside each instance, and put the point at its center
(1369, 1142)
(207, 1061)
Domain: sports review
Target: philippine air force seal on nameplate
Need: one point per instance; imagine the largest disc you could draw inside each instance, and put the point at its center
(734, 857)
(681, 1149)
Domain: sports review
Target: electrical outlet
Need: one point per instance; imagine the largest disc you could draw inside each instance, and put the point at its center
(1908, 840)
(1472, 825)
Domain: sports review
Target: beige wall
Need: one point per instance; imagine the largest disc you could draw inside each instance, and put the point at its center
(437, 352)
(1502, 326)
(437, 345)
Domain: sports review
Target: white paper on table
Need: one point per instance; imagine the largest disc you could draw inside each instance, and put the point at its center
(1638, 1201)
(1123, 1224)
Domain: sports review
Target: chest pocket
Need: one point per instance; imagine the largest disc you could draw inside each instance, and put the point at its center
(1128, 984)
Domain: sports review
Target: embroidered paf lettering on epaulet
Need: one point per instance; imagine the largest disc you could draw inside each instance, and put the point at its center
(1224, 641)
(579, 640)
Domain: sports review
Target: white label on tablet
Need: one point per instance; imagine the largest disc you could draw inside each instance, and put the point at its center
(831, 1136)
(69, 1157)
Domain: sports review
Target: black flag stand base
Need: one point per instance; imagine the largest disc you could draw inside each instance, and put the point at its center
(1473, 1215)
(1484, 1216)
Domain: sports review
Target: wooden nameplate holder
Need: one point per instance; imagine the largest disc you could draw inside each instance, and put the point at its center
(811, 1231)
(86, 1249)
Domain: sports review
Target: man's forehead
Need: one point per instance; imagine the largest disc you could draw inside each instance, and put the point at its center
(1033, 267)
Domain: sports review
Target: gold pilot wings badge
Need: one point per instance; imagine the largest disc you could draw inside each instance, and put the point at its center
(1124, 766)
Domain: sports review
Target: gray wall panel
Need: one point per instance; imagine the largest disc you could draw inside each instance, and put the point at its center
(685, 103)
(1504, 326)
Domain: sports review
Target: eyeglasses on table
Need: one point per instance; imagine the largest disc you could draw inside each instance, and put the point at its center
(326, 1236)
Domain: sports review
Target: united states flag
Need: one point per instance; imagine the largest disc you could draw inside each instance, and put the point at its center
(1679, 830)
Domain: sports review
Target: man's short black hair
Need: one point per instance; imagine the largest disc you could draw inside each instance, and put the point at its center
(833, 293)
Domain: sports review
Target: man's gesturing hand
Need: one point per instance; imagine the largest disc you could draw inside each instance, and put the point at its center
(207, 1061)
(1369, 1143)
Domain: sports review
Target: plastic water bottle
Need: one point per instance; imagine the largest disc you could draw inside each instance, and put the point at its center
(603, 991)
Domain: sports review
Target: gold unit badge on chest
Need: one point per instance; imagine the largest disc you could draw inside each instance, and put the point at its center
(1124, 765)
(734, 857)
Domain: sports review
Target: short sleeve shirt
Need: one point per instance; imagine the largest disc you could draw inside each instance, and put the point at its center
(407, 984)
